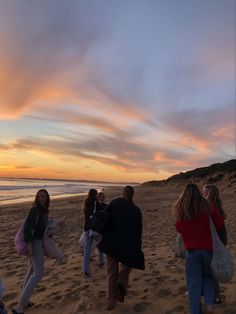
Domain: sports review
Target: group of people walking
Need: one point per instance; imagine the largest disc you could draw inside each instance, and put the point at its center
(121, 242)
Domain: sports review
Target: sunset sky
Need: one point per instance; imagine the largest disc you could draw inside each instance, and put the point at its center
(127, 90)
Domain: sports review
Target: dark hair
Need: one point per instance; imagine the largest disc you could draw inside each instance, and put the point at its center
(91, 198)
(37, 204)
(190, 203)
(101, 193)
(128, 192)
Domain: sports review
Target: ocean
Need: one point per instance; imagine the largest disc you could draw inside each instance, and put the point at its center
(23, 190)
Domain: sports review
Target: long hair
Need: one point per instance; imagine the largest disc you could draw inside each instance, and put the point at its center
(213, 196)
(37, 204)
(90, 200)
(190, 203)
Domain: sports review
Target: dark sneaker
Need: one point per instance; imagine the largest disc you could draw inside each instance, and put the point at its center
(120, 293)
(2, 309)
(111, 305)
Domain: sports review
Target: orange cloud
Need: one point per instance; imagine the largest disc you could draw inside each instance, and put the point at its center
(227, 132)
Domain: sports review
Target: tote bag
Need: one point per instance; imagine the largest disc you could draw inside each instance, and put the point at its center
(22, 247)
(222, 263)
(178, 246)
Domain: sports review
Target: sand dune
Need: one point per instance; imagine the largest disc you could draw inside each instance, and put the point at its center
(160, 289)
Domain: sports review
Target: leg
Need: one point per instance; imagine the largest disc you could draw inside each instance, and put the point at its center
(193, 270)
(123, 278)
(217, 298)
(100, 258)
(87, 252)
(29, 273)
(208, 279)
(112, 271)
(38, 270)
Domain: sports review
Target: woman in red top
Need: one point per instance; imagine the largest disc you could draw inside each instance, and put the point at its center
(211, 193)
(192, 221)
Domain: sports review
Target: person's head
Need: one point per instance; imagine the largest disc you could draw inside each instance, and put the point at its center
(212, 194)
(205, 190)
(190, 203)
(42, 199)
(128, 193)
(91, 198)
(101, 197)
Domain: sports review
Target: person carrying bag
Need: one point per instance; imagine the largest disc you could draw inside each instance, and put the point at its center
(222, 263)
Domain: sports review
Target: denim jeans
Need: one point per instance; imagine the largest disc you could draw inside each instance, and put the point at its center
(200, 280)
(35, 271)
(88, 248)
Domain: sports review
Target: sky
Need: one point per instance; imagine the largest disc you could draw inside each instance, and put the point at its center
(127, 90)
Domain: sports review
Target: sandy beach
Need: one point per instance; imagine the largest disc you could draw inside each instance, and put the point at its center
(160, 289)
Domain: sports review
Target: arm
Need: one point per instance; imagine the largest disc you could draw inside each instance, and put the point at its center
(140, 226)
(30, 224)
(216, 217)
(178, 226)
(109, 207)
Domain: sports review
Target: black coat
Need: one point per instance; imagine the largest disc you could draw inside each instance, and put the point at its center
(88, 212)
(122, 238)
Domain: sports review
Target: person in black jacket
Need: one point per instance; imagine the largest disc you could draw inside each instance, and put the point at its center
(89, 207)
(122, 243)
(34, 229)
(101, 205)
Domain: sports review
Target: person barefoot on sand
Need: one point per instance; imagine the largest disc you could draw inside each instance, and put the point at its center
(192, 213)
(34, 229)
(122, 242)
(212, 194)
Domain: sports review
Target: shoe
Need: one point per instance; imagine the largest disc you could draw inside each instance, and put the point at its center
(29, 304)
(15, 312)
(111, 305)
(2, 308)
(120, 293)
(86, 274)
(218, 301)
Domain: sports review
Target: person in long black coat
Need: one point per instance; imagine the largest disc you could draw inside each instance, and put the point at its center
(122, 243)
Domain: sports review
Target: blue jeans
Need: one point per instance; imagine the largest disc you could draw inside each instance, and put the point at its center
(88, 248)
(200, 280)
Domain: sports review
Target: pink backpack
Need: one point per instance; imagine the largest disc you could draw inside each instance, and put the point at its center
(22, 247)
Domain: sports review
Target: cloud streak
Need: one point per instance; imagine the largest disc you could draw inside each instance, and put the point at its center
(139, 91)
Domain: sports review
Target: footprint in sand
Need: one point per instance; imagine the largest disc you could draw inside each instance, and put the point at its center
(10, 273)
(163, 293)
(182, 290)
(9, 296)
(41, 289)
(144, 297)
(85, 287)
(141, 306)
(177, 309)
